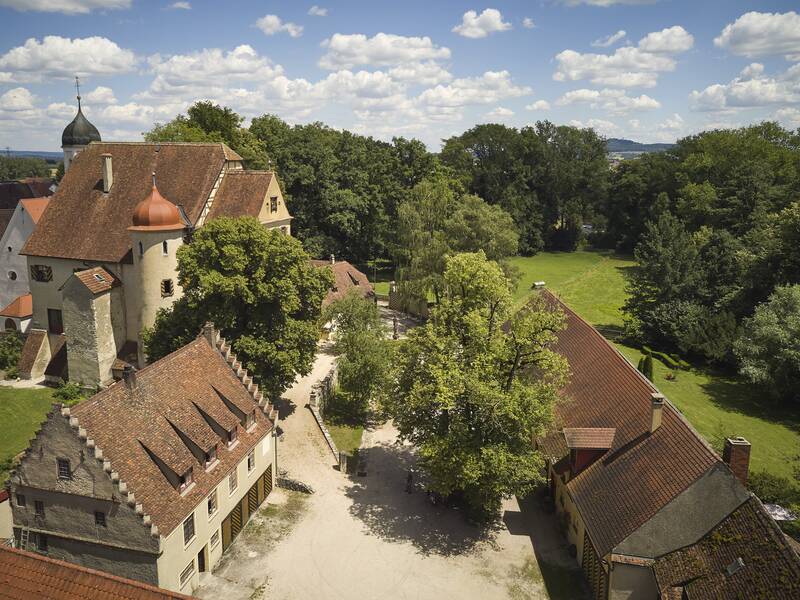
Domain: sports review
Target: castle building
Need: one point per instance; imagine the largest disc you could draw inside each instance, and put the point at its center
(102, 259)
(152, 478)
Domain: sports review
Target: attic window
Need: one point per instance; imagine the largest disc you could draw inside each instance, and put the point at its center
(251, 420)
(186, 480)
(167, 288)
(211, 455)
(99, 277)
(233, 435)
(352, 278)
(273, 204)
(64, 472)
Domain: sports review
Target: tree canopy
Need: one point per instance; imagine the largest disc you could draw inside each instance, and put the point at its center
(259, 288)
(19, 167)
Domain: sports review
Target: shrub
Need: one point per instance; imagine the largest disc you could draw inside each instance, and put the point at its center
(648, 367)
(773, 488)
(69, 392)
(10, 347)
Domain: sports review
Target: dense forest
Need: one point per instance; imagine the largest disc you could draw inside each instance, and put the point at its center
(714, 222)
(19, 167)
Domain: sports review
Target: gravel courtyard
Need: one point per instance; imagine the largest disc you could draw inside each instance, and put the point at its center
(365, 537)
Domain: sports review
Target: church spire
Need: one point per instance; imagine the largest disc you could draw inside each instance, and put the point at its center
(78, 90)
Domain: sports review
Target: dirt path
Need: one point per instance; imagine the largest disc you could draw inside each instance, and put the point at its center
(365, 537)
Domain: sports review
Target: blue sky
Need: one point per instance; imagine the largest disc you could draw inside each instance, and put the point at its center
(651, 71)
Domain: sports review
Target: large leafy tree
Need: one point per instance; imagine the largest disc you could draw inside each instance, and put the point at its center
(769, 346)
(471, 393)
(18, 167)
(259, 289)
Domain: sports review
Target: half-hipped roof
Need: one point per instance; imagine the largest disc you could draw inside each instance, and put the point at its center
(345, 278)
(135, 424)
(20, 308)
(35, 207)
(84, 223)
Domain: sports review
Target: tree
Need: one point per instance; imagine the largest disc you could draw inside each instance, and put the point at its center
(471, 393)
(259, 289)
(19, 167)
(768, 348)
(364, 353)
(647, 366)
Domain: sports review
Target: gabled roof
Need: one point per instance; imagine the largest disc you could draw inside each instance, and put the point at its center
(11, 192)
(132, 426)
(745, 556)
(20, 308)
(589, 438)
(26, 575)
(641, 472)
(241, 194)
(84, 223)
(345, 278)
(35, 207)
(97, 280)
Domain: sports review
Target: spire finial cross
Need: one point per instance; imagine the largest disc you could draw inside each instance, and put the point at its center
(78, 89)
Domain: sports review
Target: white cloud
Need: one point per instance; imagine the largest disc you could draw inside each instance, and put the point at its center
(181, 6)
(474, 25)
(631, 66)
(789, 117)
(69, 7)
(750, 90)
(58, 57)
(272, 24)
(347, 51)
(100, 95)
(500, 113)
(490, 87)
(17, 99)
(427, 73)
(318, 11)
(601, 126)
(609, 40)
(539, 105)
(613, 101)
(528, 23)
(763, 34)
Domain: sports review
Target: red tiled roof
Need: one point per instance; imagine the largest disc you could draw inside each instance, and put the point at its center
(28, 576)
(82, 222)
(171, 393)
(641, 472)
(20, 308)
(594, 438)
(241, 194)
(345, 278)
(35, 207)
(97, 279)
(769, 568)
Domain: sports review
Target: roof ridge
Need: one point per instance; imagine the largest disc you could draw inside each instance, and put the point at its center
(103, 574)
(639, 374)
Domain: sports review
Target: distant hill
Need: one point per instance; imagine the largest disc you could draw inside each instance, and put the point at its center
(620, 145)
(44, 155)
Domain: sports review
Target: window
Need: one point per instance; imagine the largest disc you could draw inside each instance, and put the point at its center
(167, 288)
(55, 322)
(38, 507)
(250, 420)
(164, 248)
(41, 542)
(141, 249)
(186, 480)
(233, 481)
(100, 518)
(251, 461)
(285, 230)
(233, 434)
(215, 539)
(64, 472)
(21, 500)
(99, 277)
(211, 456)
(273, 204)
(10, 325)
(212, 503)
(42, 273)
(188, 529)
(12, 275)
(187, 573)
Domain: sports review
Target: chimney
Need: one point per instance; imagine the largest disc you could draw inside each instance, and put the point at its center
(736, 455)
(333, 259)
(108, 173)
(210, 334)
(129, 377)
(656, 410)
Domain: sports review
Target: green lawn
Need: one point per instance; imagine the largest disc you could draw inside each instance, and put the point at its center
(718, 405)
(346, 437)
(21, 413)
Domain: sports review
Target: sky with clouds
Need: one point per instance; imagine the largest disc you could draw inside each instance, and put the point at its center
(649, 70)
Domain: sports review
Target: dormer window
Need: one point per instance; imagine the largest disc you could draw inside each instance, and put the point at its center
(211, 456)
(233, 435)
(250, 420)
(186, 480)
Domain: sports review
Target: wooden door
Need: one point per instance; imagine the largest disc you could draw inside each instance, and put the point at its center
(227, 533)
(252, 499)
(267, 478)
(236, 521)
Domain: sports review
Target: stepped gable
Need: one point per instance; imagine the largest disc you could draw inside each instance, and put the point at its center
(641, 472)
(241, 194)
(162, 413)
(84, 223)
(26, 575)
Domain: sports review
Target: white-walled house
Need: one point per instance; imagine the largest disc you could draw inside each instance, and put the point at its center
(13, 265)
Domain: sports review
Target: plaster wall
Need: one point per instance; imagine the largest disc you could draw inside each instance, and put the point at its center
(575, 528)
(281, 217)
(177, 554)
(6, 521)
(16, 234)
(632, 582)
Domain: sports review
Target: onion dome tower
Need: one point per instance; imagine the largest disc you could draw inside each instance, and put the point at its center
(156, 234)
(78, 134)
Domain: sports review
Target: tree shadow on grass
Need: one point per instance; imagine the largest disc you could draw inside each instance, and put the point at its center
(733, 394)
(381, 503)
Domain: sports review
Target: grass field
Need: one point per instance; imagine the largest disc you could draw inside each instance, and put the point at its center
(718, 405)
(21, 413)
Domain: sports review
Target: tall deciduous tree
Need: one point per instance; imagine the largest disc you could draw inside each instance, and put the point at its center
(471, 393)
(259, 289)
